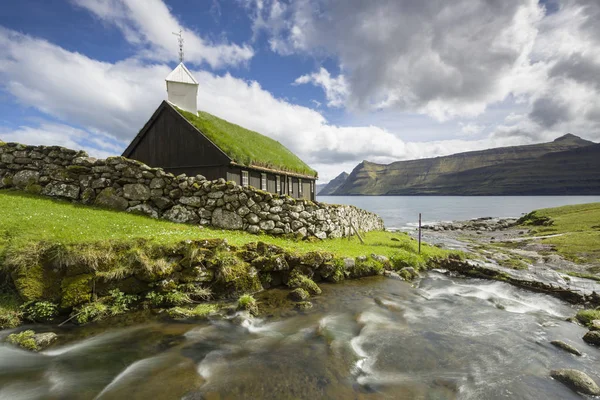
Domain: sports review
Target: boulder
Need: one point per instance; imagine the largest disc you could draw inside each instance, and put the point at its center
(567, 347)
(576, 380)
(595, 325)
(226, 219)
(143, 209)
(56, 189)
(180, 214)
(592, 337)
(43, 340)
(108, 198)
(192, 201)
(24, 178)
(136, 191)
(266, 225)
(162, 202)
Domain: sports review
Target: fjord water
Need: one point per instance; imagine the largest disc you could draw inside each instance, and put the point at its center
(403, 211)
(374, 338)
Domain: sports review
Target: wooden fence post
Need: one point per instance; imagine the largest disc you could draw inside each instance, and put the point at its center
(419, 233)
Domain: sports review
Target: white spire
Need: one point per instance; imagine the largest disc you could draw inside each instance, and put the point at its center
(182, 87)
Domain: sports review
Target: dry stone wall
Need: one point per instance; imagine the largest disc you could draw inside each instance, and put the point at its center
(128, 185)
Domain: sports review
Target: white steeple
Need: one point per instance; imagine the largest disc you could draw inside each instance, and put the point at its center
(182, 87)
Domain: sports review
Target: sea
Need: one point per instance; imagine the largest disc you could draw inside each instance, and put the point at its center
(402, 212)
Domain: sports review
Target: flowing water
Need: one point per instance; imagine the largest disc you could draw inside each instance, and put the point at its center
(374, 338)
(403, 211)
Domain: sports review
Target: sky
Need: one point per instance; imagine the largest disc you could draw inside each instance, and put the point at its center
(336, 81)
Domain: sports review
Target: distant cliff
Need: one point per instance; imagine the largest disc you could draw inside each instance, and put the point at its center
(568, 165)
(333, 184)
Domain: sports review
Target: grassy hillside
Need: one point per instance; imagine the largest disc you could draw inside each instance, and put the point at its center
(247, 147)
(26, 219)
(477, 172)
(578, 225)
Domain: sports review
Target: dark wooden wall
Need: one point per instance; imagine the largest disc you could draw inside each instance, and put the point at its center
(172, 144)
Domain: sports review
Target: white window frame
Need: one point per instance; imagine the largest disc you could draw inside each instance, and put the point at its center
(245, 178)
(299, 186)
(312, 187)
(277, 184)
(290, 188)
(263, 181)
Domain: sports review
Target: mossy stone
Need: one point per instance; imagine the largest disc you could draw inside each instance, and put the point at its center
(76, 290)
(37, 283)
(304, 305)
(33, 188)
(298, 280)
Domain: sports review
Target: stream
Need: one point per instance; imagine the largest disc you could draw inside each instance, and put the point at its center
(373, 338)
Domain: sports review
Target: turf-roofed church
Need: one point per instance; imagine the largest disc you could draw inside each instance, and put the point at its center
(182, 140)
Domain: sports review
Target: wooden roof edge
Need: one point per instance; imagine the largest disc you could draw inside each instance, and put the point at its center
(275, 171)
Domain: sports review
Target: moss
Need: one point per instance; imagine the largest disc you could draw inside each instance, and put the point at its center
(366, 267)
(587, 316)
(534, 219)
(200, 311)
(247, 303)
(76, 290)
(298, 280)
(514, 263)
(23, 339)
(33, 188)
(405, 274)
(78, 169)
(333, 271)
(235, 275)
(10, 308)
(405, 259)
(37, 283)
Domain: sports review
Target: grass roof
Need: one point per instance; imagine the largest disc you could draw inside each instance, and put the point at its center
(247, 147)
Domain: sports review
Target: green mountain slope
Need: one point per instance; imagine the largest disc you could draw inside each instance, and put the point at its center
(333, 184)
(547, 168)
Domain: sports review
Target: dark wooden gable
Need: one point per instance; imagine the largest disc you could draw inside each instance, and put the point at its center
(169, 141)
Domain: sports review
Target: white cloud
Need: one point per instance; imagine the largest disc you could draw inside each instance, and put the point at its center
(149, 23)
(441, 58)
(336, 89)
(471, 129)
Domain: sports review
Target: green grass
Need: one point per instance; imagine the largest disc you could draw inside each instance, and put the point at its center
(27, 219)
(587, 316)
(247, 147)
(580, 226)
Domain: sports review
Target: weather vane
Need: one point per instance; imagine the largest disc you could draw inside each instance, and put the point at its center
(180, 40)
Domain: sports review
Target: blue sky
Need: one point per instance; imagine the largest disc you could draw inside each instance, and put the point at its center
(337, 81)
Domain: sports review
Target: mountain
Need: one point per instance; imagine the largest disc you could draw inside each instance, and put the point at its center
(333, 184)
(566, 165)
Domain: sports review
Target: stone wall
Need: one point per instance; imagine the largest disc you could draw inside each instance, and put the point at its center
(128, 185)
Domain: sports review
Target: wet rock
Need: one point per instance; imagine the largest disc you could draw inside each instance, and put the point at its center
(299, 295)
(567, 347)
(304, 305)
(576, 380)
(29, 340)
(595, 325)
(592, 337)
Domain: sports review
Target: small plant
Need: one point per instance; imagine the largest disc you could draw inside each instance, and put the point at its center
(23, 339)
(171, 298)
(200, 311)
(90, 312)
(248, 303)
(120, 302)
(41, 311)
